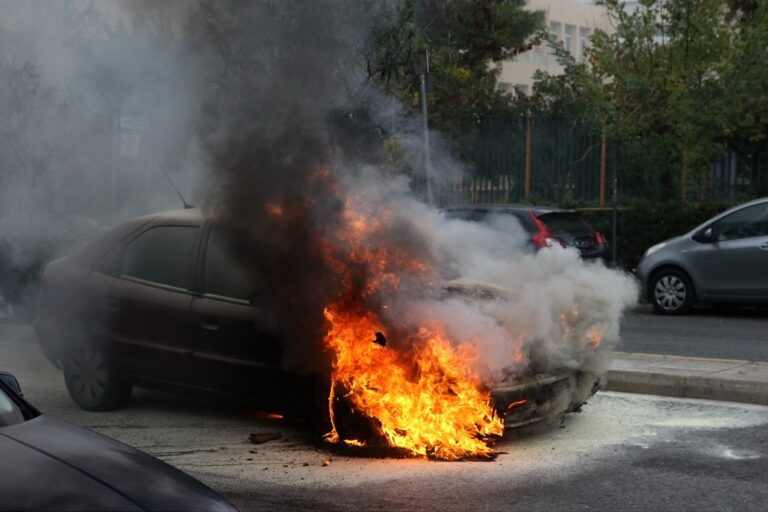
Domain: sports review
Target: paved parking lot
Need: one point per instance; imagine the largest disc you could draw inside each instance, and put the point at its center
(628, 452)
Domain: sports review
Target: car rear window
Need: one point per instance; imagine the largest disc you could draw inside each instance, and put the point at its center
(163, 255)
(567, 225)
(488, 216)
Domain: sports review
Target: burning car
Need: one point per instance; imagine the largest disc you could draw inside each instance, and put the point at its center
(160, 302)
(541, 392)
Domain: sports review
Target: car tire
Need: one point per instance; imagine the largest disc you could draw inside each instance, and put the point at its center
(92, 379)
(671, 292)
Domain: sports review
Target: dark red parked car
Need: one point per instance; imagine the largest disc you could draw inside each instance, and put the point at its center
(546, 226)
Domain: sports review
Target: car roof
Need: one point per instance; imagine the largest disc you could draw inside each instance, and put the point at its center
(507, 208)
(184, 214)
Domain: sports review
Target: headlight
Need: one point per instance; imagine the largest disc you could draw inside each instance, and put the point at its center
(653, 249)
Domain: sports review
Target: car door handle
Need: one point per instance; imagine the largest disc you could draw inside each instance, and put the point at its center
(764, 246)
(209, 324)
(111, 304)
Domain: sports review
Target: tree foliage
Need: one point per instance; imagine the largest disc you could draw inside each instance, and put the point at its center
(466, 41)
(674, 83)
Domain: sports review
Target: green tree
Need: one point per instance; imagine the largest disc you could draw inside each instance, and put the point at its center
(656, 85)
(746, 75)
(466, 40)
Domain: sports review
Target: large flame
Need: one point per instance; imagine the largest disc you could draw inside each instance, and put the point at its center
(424, 399)
(419, 392)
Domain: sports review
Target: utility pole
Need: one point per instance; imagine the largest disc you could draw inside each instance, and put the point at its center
(421, 67)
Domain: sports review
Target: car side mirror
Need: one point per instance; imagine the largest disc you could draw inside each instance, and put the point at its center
(11, 381)
(705, 237)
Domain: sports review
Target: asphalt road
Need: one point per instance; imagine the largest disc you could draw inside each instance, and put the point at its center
(707, 332)
(624, 452)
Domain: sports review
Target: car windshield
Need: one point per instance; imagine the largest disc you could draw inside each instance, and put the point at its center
(10, 414)
(567, 225)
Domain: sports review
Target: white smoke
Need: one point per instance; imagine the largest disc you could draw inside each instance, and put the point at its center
(525, 312)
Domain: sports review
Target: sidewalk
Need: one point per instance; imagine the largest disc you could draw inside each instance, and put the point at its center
(689, 377)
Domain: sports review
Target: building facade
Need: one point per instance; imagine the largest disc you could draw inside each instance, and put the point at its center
(572, 22)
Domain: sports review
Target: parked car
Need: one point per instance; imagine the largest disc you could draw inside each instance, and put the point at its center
(159, 302)
(545, 226)
(722, 261)
(48, 464)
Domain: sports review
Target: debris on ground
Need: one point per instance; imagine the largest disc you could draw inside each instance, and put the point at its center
(263, 437)
(327, 462)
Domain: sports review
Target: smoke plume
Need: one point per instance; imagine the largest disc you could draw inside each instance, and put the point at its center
(262, 112)
(289, 175)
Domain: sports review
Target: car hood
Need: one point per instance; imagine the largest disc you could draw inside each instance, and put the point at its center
(49, 464)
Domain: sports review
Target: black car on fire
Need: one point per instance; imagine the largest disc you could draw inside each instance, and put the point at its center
(160, 302)
(47, 464)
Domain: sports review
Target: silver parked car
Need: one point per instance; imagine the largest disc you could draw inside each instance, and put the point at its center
(724, 260)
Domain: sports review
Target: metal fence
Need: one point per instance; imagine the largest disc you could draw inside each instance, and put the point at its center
(557, 161)
(547, 160)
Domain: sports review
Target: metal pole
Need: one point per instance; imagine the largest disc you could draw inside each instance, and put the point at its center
(614, 227)
(113, 177)
(603, 167)
(425, 128)
(528, 140)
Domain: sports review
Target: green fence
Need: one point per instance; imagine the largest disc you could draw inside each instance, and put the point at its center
(560, 158)
(562, 161)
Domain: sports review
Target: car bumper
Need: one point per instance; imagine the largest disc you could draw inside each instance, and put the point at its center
(543, 396)
(643, 273)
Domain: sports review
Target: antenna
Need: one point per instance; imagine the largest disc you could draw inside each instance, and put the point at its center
(187, 206)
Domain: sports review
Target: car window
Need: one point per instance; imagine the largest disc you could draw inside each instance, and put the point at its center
(163, 254)
(567, 225)
(745, 223)
(475, 215)
(224, 275)
(10, 414)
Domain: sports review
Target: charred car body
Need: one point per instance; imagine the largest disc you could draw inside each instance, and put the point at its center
(159, 302)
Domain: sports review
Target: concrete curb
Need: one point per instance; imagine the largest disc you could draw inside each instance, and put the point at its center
(689, 377)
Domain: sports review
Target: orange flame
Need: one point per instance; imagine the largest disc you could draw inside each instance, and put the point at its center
(419, 394)
(424, 400)
(595, 337)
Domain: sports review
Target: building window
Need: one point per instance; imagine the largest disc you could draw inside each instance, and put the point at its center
(583, 35)
(556, 29)
(506, 87)
(569, 37)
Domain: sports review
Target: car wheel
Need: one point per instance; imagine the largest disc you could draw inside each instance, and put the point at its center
(672, 292)
(92, 379)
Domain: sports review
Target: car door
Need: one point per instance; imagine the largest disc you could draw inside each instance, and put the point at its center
(146, 297)
(237, 348)
(734, 265)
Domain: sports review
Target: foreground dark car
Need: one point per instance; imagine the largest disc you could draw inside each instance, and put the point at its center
(545, 226)
(47, 464)
(159, 302)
